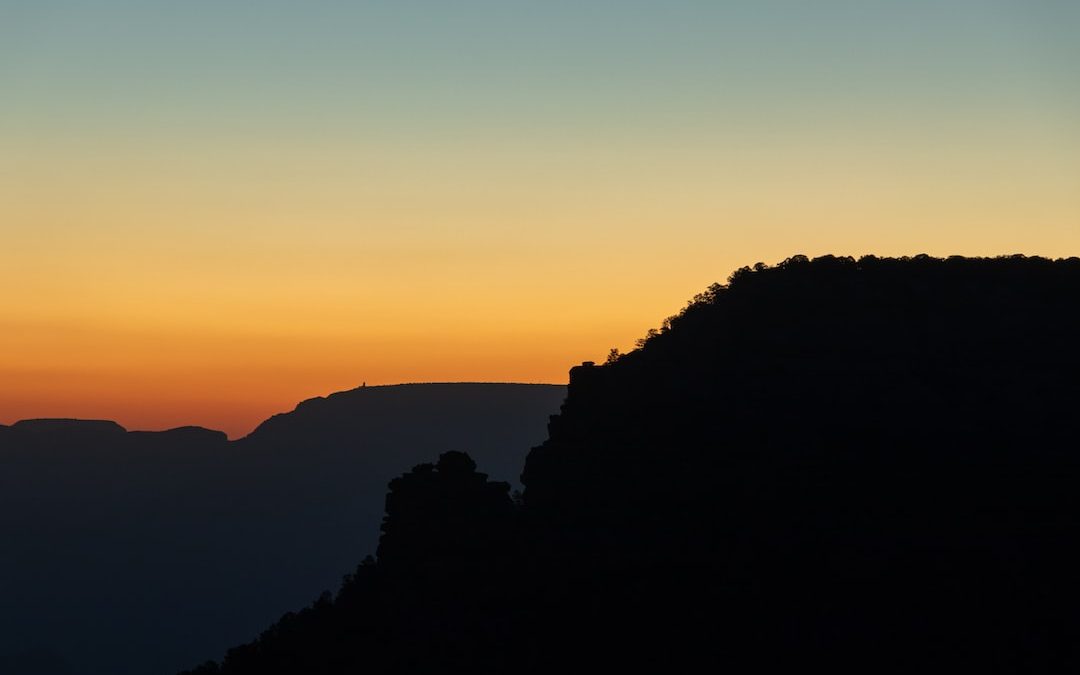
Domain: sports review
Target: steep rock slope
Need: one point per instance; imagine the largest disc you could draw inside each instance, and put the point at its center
(864, 465)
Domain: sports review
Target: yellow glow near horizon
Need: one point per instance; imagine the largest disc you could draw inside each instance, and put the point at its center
(161, 298)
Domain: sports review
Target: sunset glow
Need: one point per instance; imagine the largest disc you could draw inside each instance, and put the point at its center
(210, 214)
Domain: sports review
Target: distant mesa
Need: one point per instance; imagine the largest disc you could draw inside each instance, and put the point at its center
(332, 414)
(68, 426)
(185, 433)
(70, 429)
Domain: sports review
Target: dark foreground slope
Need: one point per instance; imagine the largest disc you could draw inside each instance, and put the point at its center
(869, 461)
(138, 552)
(864, 465)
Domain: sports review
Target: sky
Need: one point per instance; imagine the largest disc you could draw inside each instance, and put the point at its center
(210, 211)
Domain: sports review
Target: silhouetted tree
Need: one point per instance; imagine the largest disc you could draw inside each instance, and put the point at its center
(445, 514)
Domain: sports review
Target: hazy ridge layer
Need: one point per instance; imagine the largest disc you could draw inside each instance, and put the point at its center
(140, 552)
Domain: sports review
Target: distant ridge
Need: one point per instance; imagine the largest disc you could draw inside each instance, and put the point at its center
(67, 425)
(74, 424)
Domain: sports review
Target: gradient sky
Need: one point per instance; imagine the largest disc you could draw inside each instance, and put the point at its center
(211, 210)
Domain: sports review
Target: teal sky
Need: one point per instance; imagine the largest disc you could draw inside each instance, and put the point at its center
(427, 69)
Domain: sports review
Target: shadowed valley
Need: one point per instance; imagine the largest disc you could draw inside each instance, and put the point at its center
(141, 552)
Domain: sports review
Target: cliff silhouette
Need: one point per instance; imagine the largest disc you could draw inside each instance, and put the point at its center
(142, 552)
(834, 463)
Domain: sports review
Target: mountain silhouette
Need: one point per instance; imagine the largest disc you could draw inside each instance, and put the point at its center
(140, 552)
(852, 465)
